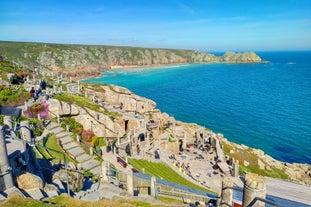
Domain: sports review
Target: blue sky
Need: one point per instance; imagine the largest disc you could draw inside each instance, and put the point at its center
(209, 25)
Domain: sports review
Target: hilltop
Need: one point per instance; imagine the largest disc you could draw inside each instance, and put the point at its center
(81, 61)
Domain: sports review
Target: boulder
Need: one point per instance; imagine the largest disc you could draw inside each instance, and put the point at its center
(28, 181)
(75, 179)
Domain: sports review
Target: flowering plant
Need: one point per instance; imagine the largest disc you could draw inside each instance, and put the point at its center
(41, 109)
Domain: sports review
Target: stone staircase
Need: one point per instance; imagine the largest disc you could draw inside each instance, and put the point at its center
(74, 149)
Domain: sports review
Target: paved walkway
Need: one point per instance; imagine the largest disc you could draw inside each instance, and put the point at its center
(289, 190)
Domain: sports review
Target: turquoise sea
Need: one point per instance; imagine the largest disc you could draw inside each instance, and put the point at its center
(265, 106)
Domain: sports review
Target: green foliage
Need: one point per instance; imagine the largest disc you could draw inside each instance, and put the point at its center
(227, 147)
(87, 173)
(66, 201)
(252, 159)
(94, 141)
(171, 138)
(101, 142)
(73, 125)
(36, 126)
(12, 97)
(97, 87)
(85, 103)
(9, 67)
(169, 200)
(162, 170)
(79, 100)
(18, 201)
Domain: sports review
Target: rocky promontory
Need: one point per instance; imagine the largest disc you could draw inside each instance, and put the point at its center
(81, 61)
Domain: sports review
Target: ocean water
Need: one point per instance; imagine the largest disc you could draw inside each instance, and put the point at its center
(265, 106)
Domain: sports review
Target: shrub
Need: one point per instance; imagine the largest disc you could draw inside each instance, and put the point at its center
(74, 126)
(41, 109)
(94, 141)
(87, 135)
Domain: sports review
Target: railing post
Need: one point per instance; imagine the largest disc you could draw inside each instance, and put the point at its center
(104, 171)
(153, 186)
(6, 180)
(130, 183)
(254, 187)
(226, 193)
(26, 134)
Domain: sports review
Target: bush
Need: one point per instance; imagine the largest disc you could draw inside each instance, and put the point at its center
(36, 126)
(94, 141)
(41, 109)
(11, 97)
(87, 135)
(74, 126)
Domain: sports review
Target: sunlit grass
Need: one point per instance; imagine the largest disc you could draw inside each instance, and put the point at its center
(161, 170)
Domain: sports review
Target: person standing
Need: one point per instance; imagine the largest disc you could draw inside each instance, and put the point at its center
(32, 92)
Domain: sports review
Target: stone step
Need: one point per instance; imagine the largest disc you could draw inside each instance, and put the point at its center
(77, 151)
(52, 126)
(65, 140)
(70, 145)
(59, 186)
(96, 170)
(83, 157)
(90, 164)
(62, 134)
(57, 130)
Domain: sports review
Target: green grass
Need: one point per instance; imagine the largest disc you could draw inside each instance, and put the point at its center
(79, 100)
(169, 200)
(52, 143)
(252, 159)
(43, 152)
(161, 170)
(85, 103)
(65, 201)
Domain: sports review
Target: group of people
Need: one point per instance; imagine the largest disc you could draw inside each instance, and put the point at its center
(39, 91)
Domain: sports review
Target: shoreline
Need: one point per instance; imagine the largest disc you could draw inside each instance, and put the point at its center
(147, 67)
(133, 67)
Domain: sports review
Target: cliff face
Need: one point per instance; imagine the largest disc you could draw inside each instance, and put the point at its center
(93, 59)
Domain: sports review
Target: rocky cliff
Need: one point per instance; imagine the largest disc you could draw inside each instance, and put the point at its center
(90, 60)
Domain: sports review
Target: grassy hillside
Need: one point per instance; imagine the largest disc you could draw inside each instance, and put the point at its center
(71, 56)
(162, 170)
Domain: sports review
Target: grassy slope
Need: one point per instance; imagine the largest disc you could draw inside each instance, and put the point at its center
(162, 170)
(16, 51)
(66, 201)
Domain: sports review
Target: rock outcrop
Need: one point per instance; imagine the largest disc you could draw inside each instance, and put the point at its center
(27, 181)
